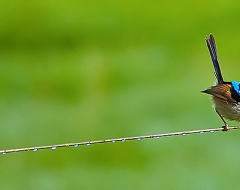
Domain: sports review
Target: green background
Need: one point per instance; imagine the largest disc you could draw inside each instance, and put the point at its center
(75, 71)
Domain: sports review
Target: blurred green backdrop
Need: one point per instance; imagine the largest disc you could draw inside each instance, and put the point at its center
(85, 70)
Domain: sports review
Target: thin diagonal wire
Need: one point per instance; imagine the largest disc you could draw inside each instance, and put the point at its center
(88, 143)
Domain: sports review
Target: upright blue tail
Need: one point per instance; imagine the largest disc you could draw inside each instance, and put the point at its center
(213, 52)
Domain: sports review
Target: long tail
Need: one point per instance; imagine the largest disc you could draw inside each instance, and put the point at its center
(213, 52)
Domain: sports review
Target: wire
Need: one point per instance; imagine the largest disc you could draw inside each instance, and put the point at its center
(88, 143)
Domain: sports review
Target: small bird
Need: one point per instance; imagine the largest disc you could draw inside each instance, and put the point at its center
(225, 95)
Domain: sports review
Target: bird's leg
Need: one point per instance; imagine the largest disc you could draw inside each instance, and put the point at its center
(225, 127)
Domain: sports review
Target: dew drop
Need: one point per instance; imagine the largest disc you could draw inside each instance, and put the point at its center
(201, 132)
(88, 144)
(211, 131)
(113, 141)
(54, 148)
(4, 153)
(139, 139)
(184, 134)
(123, 140)
(158, 137)
(76, 145)
(35, 150)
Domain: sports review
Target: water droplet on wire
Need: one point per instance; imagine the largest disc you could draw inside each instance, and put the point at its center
(76, 145)
(88, 144)
(54, 148)
(123, 140)
(35, 150)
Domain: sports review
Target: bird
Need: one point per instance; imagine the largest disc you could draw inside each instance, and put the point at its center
(225, 95)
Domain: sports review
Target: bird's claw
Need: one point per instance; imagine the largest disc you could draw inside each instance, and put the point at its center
(225, 128)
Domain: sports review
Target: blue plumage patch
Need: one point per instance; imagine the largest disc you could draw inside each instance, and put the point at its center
(236, 86)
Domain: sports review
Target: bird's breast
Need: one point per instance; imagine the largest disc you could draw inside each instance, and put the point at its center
(229, 110)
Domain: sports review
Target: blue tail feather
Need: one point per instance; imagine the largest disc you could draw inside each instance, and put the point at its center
(213, 52)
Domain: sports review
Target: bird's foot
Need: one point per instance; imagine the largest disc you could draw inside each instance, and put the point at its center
(225, 128)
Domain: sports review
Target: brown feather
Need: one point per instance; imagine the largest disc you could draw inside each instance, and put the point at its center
(223, 101)
(222, 92)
